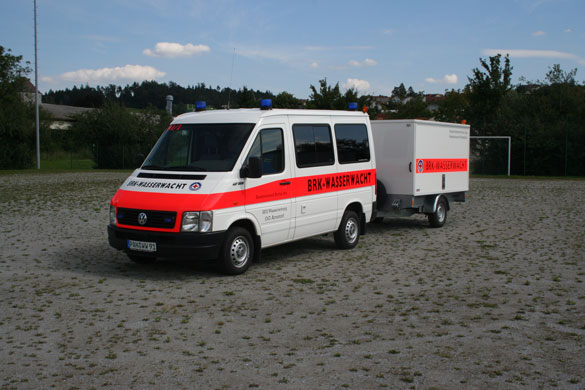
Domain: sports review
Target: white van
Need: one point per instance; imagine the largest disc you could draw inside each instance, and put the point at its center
(226, 183)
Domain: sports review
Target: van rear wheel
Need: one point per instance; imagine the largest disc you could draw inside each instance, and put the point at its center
(237, 252)
(348, 233)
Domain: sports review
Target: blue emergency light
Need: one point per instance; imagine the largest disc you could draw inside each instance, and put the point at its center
(353, 106)
(266, 104)
(200, 105)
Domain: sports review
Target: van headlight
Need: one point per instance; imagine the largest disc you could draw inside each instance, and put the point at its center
(197, 221)
(205, 221)
(112, 215)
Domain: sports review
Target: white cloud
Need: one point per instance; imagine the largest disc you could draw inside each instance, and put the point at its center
(366, 62)
(522, 53)
(387, 31)
(314, 65)
(447, 79)
(127, 72)
(538, 33)
(360, 85)
(174, 50)
(568, 30)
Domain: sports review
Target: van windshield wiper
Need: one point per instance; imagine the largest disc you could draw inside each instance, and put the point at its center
(186, 168)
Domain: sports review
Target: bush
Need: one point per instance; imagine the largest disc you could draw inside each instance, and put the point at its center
(17, 123)
(118, 137)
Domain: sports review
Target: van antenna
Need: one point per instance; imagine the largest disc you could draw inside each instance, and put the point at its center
(231, 76)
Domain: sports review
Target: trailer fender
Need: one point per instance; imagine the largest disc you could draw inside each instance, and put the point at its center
(430, 204)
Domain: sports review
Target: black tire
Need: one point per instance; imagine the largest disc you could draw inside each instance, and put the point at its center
(141, 259)
(439, 217)
(237, 251)
(347, 235)
(381, 196)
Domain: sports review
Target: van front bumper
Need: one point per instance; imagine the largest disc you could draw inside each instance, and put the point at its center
(197, 246)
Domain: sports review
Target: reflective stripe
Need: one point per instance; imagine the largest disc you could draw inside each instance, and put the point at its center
(269, 192)
(435, 165)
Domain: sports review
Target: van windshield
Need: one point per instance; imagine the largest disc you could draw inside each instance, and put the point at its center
(199, 147)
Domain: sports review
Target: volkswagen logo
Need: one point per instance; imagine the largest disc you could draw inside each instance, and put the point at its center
(142, 218)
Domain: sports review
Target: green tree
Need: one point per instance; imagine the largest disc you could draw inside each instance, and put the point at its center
(247, 98)
(118, 137)
(17, 124)
(556, 75)
(326, 98)
(399, 92)
(485, 92)
(412, 108)
(286, 100)
(453, 107)
(330, 97)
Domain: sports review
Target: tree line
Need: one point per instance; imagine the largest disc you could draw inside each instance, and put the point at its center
(546, 119)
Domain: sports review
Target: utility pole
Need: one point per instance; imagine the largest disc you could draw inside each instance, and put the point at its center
(37, 92)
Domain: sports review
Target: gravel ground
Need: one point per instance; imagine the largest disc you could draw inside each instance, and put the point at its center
(494, 299)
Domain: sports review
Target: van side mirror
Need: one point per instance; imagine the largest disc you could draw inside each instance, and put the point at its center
(253, 170)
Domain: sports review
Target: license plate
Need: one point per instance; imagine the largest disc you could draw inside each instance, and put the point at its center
(142, 246)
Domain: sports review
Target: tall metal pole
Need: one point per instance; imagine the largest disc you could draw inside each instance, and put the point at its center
(37, 93)
(566, 141)
(231, 76)
(509, 153)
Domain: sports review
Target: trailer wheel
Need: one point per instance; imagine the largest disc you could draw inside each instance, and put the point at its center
(237, 252)
(439, 217)
(141, 259)
(348, 233)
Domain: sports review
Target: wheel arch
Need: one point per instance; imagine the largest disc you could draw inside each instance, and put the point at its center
(431, 201)
(357, 207)
(254, 231)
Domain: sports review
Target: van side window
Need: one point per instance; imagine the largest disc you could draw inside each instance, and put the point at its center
(352, 143)
(269, 148)
(313, 145)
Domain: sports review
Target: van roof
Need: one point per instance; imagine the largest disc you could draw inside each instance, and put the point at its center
(253, 115)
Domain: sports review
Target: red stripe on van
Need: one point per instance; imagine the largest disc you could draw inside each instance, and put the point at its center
(273, 191)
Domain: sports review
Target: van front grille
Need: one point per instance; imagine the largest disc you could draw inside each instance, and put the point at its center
(146, 218)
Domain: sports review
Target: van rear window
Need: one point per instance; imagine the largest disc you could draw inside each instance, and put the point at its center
(313, 145)
(352, 143)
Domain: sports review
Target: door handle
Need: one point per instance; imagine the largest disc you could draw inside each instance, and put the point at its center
(285, 183)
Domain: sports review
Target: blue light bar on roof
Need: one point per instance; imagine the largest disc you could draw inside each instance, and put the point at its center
(266, 104)
(352, 106)
(200, 105)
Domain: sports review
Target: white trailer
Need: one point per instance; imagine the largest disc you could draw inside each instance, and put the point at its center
(422, 167)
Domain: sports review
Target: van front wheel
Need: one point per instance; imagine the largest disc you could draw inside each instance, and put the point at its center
(237, 252)
(348, 233)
